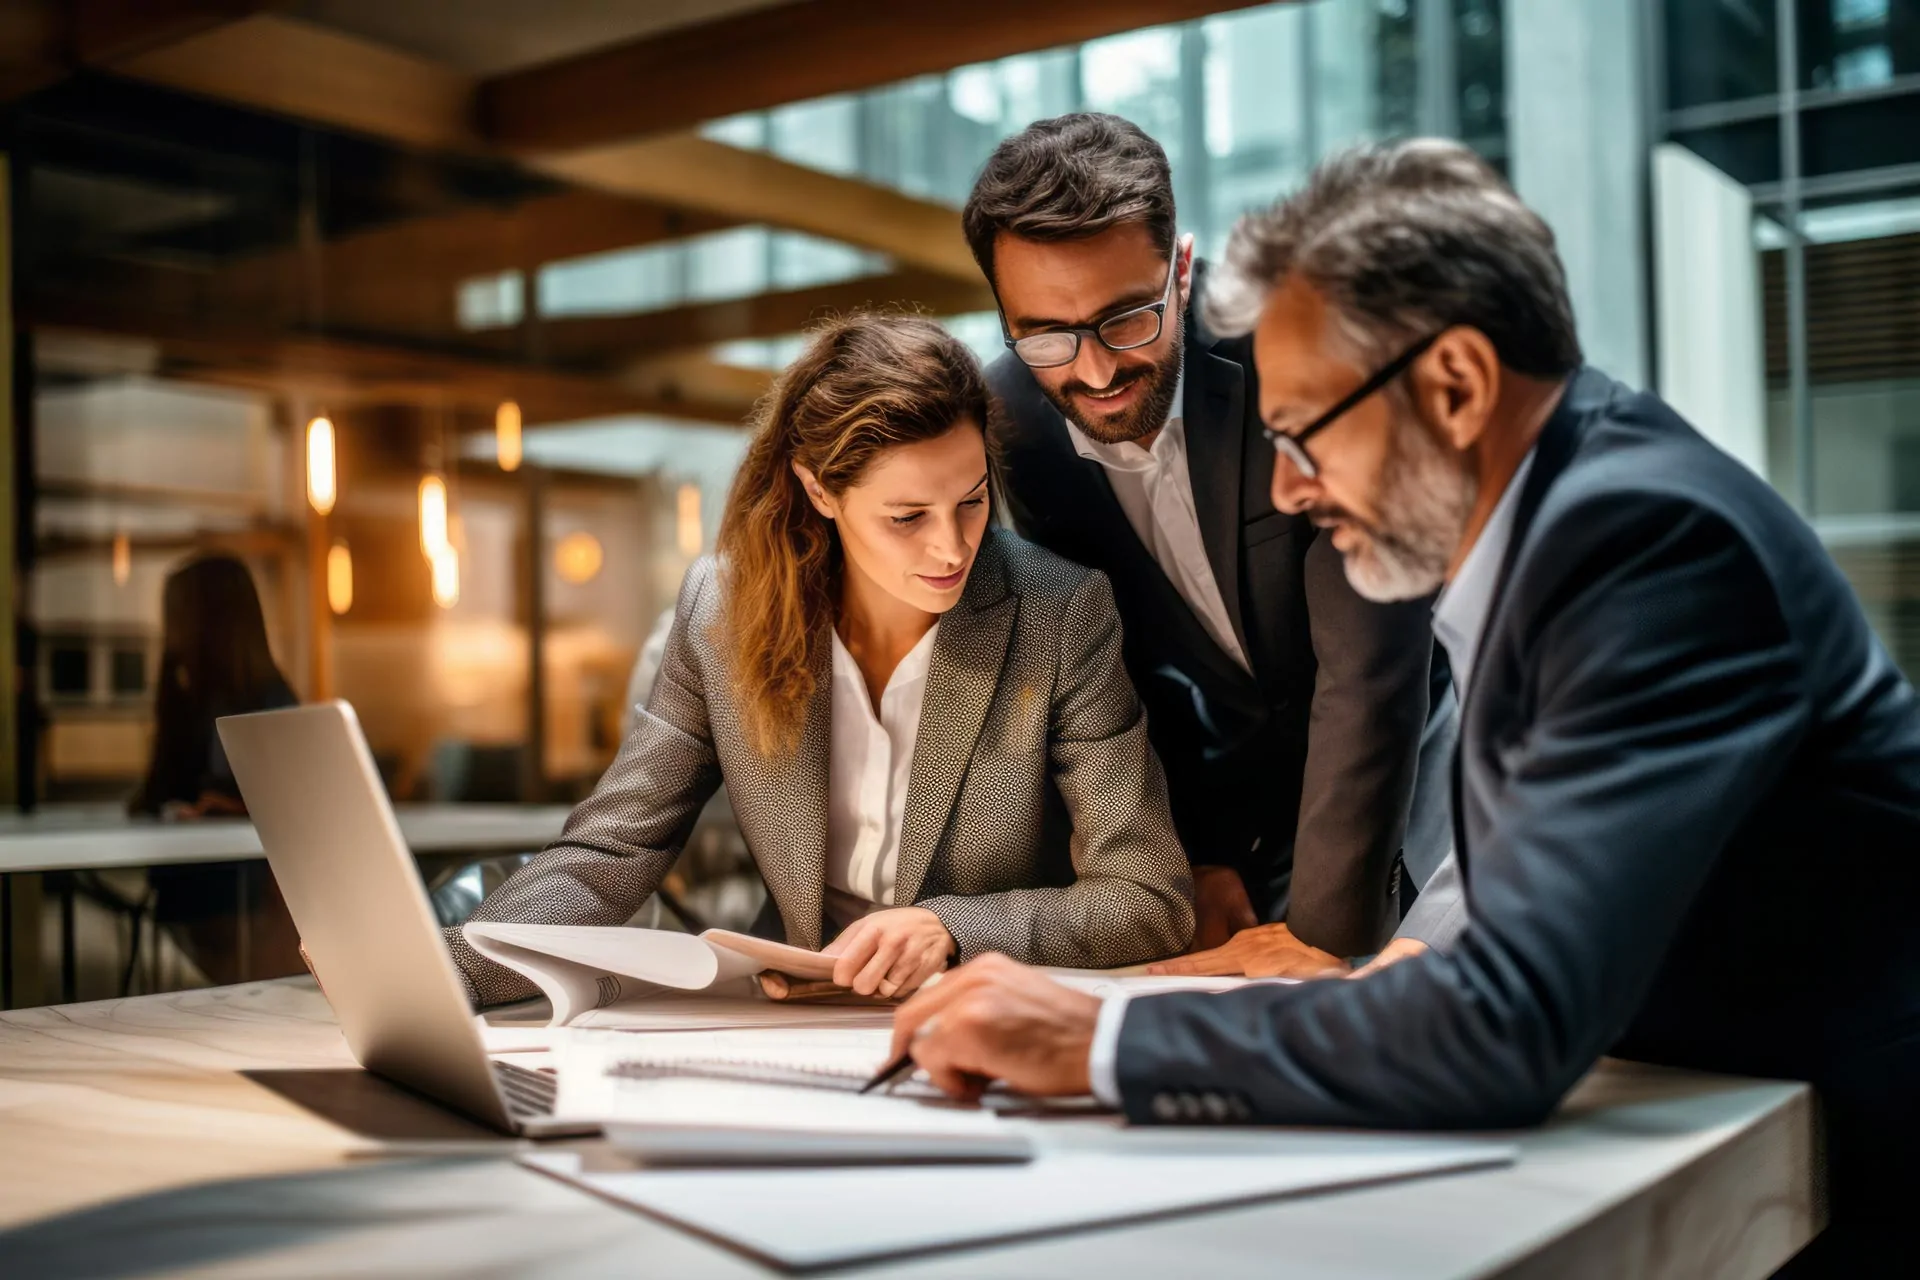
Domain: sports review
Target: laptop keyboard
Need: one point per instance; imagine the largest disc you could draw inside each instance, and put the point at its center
(527, 1092)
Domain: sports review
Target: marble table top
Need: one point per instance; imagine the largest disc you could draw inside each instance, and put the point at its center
(159, 1136)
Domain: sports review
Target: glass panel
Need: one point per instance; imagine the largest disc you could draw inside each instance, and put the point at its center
(1747, 152)
(1720, 51)
(1873, 134)
(1857, 44)
(1863, 321)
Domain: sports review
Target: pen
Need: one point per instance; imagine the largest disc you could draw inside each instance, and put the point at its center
(894, 1072)
(901, 1067)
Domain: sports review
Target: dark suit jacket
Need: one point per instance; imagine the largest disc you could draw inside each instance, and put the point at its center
(1301, 773)
(1689, 824)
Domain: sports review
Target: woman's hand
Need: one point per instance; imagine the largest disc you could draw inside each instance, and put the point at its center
(891, 952)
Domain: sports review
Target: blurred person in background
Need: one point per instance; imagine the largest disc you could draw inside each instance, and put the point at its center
(923, 722)
(215, 661)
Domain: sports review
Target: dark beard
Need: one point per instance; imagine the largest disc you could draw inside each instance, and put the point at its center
(1150, 415)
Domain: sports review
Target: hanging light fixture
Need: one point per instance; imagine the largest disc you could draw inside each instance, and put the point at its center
(323, 481)
(506, 435)
(339, 578)
(433, 515)
(687, 519)
(446, 577)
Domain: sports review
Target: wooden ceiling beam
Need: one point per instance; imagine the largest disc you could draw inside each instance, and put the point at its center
(280, 65)
(787, 53)
(610, 339)
(691, 171)
(294, 68)
(404, 277)
(44, 41)
(345, 370)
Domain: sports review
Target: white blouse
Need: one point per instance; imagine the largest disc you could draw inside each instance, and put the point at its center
(870, 765)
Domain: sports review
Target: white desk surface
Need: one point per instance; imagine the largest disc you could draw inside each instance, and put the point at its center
(93, 837)
(133, 1143)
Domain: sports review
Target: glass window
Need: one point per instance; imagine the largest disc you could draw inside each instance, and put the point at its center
(1720, 51)
(69, 667)
(1857, 44)
(1863, 370)
(129, 672)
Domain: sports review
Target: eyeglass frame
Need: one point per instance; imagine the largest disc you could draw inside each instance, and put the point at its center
(1293, 446)
(1093, 331)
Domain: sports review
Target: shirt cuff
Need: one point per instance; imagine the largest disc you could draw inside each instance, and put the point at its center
(1101, 1066)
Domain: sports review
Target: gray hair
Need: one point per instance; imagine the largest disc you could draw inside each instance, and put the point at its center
(1405, 239)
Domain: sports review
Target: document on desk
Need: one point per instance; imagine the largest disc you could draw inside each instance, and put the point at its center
(764, 1097)
(812, 1219)
(583, 968)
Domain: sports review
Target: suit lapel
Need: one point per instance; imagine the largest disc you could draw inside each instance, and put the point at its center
(962, 678)
(801, 862)
(1214, 409)
(1559, 439)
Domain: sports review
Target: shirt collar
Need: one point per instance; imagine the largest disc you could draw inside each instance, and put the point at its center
(1460, 614)
(1129, 456)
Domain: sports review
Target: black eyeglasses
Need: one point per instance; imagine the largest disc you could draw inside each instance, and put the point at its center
(1138, 327)
(1294, 447)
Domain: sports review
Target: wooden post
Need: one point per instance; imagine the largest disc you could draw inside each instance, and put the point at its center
(534, 774)
(16, 682)
(20, 896)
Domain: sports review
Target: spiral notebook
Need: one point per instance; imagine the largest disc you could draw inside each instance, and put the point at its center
(765, 1097)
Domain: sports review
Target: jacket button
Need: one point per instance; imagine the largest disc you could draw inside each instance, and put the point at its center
(1190, 1109)
(1165, 1108)
(1215, 1106)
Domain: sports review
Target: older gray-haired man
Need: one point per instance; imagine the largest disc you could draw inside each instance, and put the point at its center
(1683, 751)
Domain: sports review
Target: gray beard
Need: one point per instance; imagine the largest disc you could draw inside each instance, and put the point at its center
(1426, 498)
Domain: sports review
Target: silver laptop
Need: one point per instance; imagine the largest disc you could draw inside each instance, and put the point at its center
(350, 882)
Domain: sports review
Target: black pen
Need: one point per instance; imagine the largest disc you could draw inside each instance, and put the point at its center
(901, 1067)
(894, 1072)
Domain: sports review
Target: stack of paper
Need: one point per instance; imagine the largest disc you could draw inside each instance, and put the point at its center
(704, 1097)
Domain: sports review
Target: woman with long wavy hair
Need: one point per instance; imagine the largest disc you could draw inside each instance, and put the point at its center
(930, 743)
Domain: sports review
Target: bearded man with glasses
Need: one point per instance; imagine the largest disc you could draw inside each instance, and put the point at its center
(1299, 723)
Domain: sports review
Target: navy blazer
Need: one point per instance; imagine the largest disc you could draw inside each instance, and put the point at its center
(1688, 817)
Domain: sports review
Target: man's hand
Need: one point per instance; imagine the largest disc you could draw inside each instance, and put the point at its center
(1265, 951)
(890, 953)
(1220, 907)
(1393, 953)
(994, 1019)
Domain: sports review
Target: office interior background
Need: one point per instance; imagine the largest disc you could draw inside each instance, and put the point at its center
(466, 396)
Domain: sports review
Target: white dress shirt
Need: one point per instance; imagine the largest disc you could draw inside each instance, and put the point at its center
(1459, 618)
(870, 763)
(1155, 490)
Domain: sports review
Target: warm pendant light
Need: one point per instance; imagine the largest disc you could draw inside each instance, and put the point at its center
(323, 482)
(122, 559)
(339, 578)
(687, 519)
(446, 577)
(433, 516)
(506, 435)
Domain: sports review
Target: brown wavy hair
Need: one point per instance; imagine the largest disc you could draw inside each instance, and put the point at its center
(866, 383)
